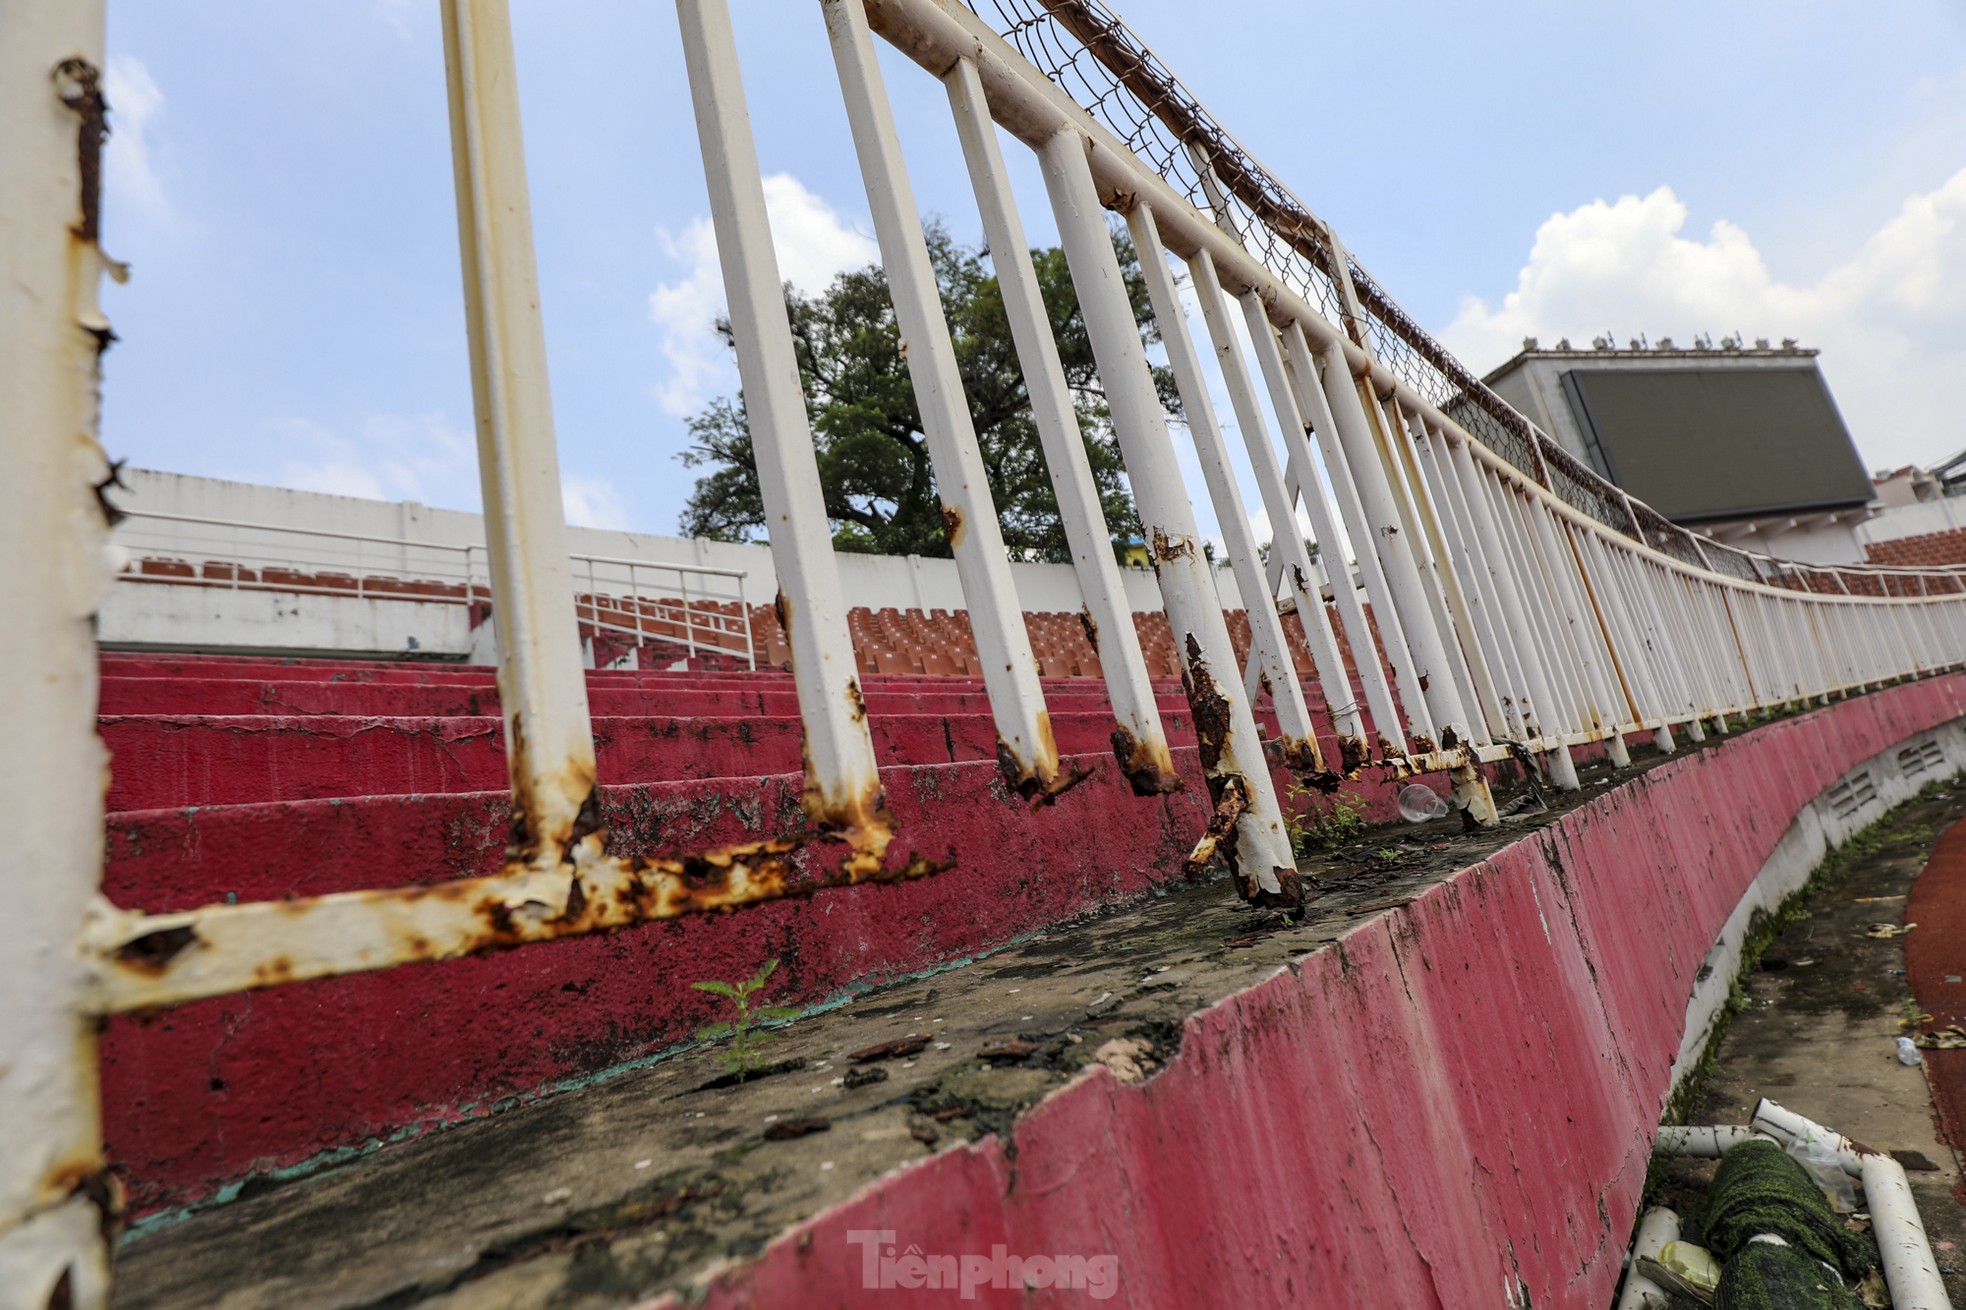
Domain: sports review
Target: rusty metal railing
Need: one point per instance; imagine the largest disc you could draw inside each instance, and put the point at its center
(1520, 608)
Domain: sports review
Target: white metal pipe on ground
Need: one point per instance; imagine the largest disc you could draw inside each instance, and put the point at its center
(1656, 1227)
(842, 786)
(542, 688)
(1703, 1141)
(1910, 1271)
(1788, 1128)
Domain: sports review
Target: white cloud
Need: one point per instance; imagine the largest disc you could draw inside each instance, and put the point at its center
(129, 170)
(593, 502)
(1890, 319)
(814, 244)
(396, 15)
(417, 457)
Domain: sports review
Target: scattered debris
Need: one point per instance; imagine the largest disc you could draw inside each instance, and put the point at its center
(912, 1044)
(1684, 1268)
(864, 1077)
(786, 1129)
(1006, 1048)
(1886, 931)
(1952, 1037)
(1127, 1057)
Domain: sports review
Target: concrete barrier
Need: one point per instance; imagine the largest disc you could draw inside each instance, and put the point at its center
(1452, 1106)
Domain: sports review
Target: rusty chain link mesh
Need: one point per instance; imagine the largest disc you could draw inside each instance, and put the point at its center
(1091, 54)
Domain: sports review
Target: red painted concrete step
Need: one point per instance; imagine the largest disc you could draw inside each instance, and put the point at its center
(403, 766)
(222, 1088)
(242, 696)
(158, 761)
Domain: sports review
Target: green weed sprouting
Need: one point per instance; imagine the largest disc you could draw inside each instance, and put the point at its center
(742, 1028)
(1324, 825)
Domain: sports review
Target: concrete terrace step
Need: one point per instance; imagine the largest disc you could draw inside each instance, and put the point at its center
(240, 696)
(159, 761)
(237, 1085)
(220, 667)
(253, 780)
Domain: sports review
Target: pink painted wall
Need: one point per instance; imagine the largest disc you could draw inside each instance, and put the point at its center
(1451, 1107)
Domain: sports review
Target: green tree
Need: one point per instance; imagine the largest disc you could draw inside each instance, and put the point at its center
(873, 458)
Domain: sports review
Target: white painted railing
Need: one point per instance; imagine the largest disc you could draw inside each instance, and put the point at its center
(1520, 603)
(698, 607)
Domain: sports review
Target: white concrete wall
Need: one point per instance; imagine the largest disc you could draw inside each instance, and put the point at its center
(1917, 520)
(428, 543)
(141, 614)
(1829, 543)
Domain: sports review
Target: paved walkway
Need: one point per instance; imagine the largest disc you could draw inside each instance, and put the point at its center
(1821, 1019)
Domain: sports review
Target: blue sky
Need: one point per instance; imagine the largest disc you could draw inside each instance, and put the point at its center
(280, 183)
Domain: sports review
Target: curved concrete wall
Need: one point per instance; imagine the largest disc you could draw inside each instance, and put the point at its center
(1452, 1106)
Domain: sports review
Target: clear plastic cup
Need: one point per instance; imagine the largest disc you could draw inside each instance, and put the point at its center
(1418, 803)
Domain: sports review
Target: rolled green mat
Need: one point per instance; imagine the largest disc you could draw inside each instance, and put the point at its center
(1759, 1188)
(1764, 1276)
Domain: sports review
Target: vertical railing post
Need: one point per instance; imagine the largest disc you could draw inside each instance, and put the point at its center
(689, 620)
(1545, 715)
(1268, 644)
(842, 783)
(1288, 354)
(1508, 686)
(1296, 459)
(54, 540)
(1248, 825)
(1140, 744)
(1025, 747)
(1466, 659)
(1356, 433)
(1269, 648)
(541, 686)
(1315, 411)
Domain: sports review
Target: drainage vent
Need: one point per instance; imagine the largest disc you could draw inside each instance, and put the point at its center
(1846, 798)
(1914, 760)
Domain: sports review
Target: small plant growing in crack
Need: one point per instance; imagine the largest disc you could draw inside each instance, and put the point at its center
(742, 1057)
(1318, 824)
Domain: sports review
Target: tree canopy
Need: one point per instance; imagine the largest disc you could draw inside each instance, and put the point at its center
(873, 458)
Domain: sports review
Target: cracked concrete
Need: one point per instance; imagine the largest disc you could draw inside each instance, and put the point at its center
(647, 1181)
